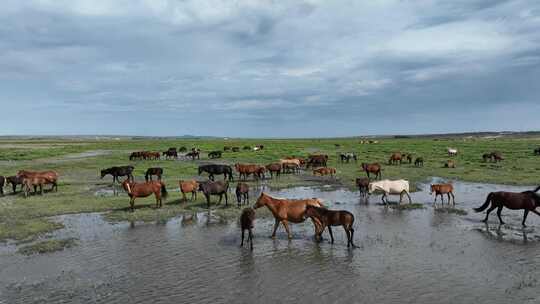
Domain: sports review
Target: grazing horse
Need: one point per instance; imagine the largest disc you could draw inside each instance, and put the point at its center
(119, 171)
(496, 156)
(363, 184)
(374, 168)
(388, 187)
(50, 176)
(3, 182)
(215, 188)
(452, 151)
(242, 193)
(285, 211)
(214, 154)
(216, 169)
(537, 151)
(450, 164)
(441, 189)
(274, 168)
(419, 162)
(246, 223)
(319, 160)
(170, 153)
(346, 157)
(14, 181)
(244, 170)
(291, 168)
(527, 200)
(329, 218)
(187, 187)
(325, 171)
(395, 159)
(34, 181)
(153, 171)
(135, 190)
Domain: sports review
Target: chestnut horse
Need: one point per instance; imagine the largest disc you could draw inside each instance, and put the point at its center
(135, 190)
(287, 210)
(274, 168)
(395, 159)
(51, 177)
(325, 171)
(441, 189)
(329, 218)
(244, 170)
(189, 186)
(372, 168)
(527, 200)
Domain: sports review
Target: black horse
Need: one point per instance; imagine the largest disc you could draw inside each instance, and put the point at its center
(215, 188)
(2, 183)
(217, 169)
(170, 154)
(119, 171)
(194, 154)
(14, 181)
(153, 171)
(214, 154)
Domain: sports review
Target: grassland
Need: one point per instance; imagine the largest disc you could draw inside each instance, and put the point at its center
(79, 163)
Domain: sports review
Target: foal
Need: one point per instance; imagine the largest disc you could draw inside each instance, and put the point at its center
(441, 189)
(330, 218)
(246, 223)
(242, 193)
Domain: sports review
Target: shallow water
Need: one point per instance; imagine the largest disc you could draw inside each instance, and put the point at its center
(410, 256)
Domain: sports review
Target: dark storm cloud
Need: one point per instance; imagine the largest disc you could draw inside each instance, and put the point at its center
(265, 68)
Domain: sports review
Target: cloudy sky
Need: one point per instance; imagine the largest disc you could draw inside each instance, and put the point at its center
(268, 68)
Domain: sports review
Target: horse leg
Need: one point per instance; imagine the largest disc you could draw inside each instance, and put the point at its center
(448, 194)
(409, 197)
(435, 201)
(382, 198)
(132, 203)
(226, 200)
(499, 211)
(525, 213)
(247, 197)
(453, 199)
(220, 198)
(184, 196)
(286, 225)
(207, 200)
(331, 234)
(488, 211)
(250, 238)
(276, 224)
(351, 233)
(242, 242)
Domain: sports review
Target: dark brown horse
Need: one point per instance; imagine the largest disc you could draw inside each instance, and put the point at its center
(363, 183)
(374, 168)
(317, 160)
(244, 170)
(441, 189)
(153, 171)
(329, 218)
(419, 162)
(274, 168)
(246, 223)
(14, 181)
(527, 200)
(242, 193)
(146, 189)
(287, 210)
(215, 188)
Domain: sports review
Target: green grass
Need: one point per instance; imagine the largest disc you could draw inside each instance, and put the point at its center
(47, 246)
(23, 219)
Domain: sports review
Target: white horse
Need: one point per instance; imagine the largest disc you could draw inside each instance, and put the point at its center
(452, 151)
(388, 187)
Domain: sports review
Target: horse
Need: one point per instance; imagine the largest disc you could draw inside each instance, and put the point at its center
(153, 171)
(170, 153)
(34, 181)
(362, 183)
(135, 190)
(419, 162)
(194, 154)
(486, 157)
(295, 161)
(325, 171)
(274, 168)
(216, 169)
(372, 168)
(319, 160)
(441, 189)
(527, 200)
(51, 176)
(537, 151)
(395, 158)
(388, 187)
(119, 171)
(2, 184)
(246, 223)
(452, 151)
(226, 148)
(449, 164)
(409, 158)
(14, 181)
(244, 170)
(285, 211)
(215, 188)
(242, 193)
(329, 218)
(496, 156)
(188, 186)
(235, 149)
(346, 157)
(291, 168)
(214, 154)
(136, 155)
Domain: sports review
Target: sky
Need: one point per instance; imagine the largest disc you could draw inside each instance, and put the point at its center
(268, 68)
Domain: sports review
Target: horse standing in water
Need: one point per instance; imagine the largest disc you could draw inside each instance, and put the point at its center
(329, 218)
(242, 193)
(286, 210)
(527, 200)
(363, 184)
(246, 223)
(441, 189)
(135, 190)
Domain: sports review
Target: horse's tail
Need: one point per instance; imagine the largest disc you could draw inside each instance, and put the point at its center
(164, 192)
(485, 205)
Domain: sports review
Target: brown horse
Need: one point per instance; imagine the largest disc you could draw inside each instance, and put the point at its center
(242, 193)
(395, 158)
(135, 190)
(274, 168)
(187, 187)
(246, 223)
(374, 168)
(50, 176)
(329, 218)
(325, 171)
(35, 181)
(419, 162)
(286, 210)
(244, 170)
(441, 189)
(450, 164)
(362, 183)
(527, 200)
